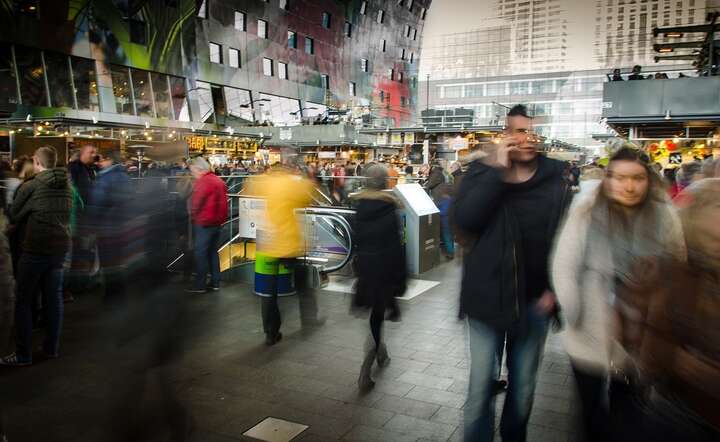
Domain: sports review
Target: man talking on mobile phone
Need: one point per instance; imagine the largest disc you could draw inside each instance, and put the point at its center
(510, 204)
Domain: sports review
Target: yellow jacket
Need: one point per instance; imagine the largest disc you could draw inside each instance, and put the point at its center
(279, 233)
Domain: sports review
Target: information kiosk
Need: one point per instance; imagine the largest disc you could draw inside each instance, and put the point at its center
(421, 226)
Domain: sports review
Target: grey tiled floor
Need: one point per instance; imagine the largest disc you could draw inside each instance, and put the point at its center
(229, 380)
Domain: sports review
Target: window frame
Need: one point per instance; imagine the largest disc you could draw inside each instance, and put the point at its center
(268, 62)
(282, 70)
(264, 35)
(309, 45)
(219, 52)
(230, 58)
(243, 27)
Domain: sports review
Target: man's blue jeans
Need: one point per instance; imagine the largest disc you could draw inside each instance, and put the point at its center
(206, 240)
(525, 344)
(39, 273)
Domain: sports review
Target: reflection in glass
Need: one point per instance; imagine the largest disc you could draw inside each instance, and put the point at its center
(143, 93)
(8, 86)
(85, 79)
(58, 72)
(162, 95)
(280, 111)
(218, 104)
(179, 99)
(205, 102)
(239, 106)
(121, 90)
(30, 70)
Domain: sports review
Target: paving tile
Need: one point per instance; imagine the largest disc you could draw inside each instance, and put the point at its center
(433, 431)
(370, 434)
(408, 407)
(448, 415)
(439, 397)
(447, 372)
(424, 380)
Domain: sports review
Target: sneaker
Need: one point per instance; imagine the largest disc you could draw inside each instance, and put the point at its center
(12, 360)
(195, 291)
(214, 288)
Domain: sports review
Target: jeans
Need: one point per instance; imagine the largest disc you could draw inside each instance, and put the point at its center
(448, 239)
(206, 240)
(592, 389)
(39, 273)
(525, 342)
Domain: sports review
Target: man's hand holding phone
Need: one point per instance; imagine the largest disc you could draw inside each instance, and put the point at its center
(500, 157)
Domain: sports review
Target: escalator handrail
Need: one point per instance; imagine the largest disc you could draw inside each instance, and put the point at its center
(343, 222)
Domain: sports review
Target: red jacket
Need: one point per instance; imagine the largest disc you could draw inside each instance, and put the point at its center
(209, 201)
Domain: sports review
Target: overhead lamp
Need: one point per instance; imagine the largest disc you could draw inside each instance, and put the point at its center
(28, 118)
(676, 140)
(12, 132)
(665, 49)
(667, 115)
(47, 123)
(674, 34)
(94, 120)
(123, 132)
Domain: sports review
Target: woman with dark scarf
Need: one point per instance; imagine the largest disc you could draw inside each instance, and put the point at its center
(379, 263)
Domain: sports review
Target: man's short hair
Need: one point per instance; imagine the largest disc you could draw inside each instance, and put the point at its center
(519, 110)
(200, 163)
(46, 156)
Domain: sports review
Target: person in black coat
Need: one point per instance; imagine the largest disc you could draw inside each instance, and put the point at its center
(509, 206)
(379, 263)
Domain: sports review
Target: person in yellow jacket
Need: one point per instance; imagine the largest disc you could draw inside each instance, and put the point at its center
(280, 240)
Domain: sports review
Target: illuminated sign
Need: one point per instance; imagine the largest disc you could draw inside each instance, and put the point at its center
(207, 143)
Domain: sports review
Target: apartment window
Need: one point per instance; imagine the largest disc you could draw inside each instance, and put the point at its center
(267, 67)
(401, 77)
(325, 81)
(309, 46)
(402, 54)
(414, 34)
(412, 57)
(383, 45)
(423, 13)
(202, 9)
(348, 29)
(391, 74)
(262, 29)
(282, 70)
(326, 20)
(364, 64)
(84, 78)
(408, 29)
(410, 4)
(138, 31)
(352, 89)
(57, 71)
(240, 23)
(380, 16)
(143, 93)
(285, 4)
(292, 39)
(363, 8)
(215, 53)
(234, 58)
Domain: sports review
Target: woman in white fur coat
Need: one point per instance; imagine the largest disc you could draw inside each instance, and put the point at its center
(615, 234)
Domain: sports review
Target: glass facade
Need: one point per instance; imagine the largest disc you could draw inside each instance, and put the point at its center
(161, 93)
(57, 67)
(239, 105)
(142, 93)
(280, 111)
(32, 76)
(121, 90)
(203, 94)
(85, 81)
(8, 81)
(178, 94)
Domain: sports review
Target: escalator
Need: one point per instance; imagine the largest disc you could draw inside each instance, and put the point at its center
(328, 237)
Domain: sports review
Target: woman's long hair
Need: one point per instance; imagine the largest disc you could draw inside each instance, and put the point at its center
(637, 233)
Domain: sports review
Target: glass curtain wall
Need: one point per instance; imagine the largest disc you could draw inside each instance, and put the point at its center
(58, 74)
(8, 81)
(32, 76)
(85, 80)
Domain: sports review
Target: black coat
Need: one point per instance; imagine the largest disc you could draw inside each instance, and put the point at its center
(493, 284)
(379, 252)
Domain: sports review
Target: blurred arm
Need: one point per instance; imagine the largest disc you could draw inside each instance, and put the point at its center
(567, 261)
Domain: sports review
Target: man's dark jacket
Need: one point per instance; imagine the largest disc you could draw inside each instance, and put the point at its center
(43, 203)
(493, 285)
(82, 177)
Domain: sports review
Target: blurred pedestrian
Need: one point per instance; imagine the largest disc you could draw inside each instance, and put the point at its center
(379, 263)
(82, 171)
(110, 213)
(280, 241)
(209, 210)
(44, 204)
(636, 73)
(511, 202)
(680, 351)
(610, 230)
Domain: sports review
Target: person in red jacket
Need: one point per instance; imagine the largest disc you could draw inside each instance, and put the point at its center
(208, 213)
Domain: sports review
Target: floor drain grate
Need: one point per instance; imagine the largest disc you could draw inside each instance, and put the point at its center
(272, 429)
